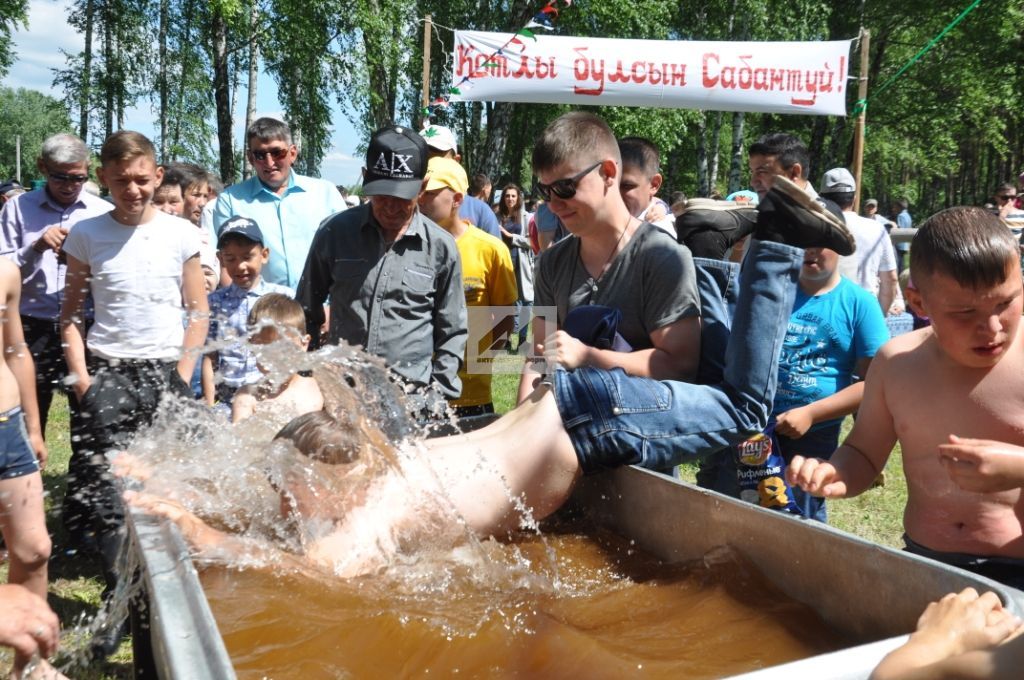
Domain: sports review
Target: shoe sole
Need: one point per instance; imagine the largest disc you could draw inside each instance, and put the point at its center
(786, 187)
(711, 204)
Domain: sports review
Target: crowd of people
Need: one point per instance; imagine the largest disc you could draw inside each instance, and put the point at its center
(679, 330)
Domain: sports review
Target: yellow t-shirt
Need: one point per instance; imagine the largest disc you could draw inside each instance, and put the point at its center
(487, 279)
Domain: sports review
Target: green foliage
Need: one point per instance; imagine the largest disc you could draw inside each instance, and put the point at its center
(12, 13)
(33, 116)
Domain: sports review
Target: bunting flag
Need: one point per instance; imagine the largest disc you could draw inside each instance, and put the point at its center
(544, 19)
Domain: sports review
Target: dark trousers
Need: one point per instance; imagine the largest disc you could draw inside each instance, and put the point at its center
(44, 343)
(122, 398)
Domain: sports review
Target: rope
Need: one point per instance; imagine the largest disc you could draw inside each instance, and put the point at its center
(862, 104)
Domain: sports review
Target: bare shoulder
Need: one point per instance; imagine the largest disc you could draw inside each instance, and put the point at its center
(10, 278)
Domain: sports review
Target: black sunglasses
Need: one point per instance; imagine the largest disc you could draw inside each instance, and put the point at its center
(1007, 197)
(67, 179)
(563, 188)
(276, 154)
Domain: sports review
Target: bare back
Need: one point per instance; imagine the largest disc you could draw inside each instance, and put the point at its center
(13, 338)
(927, 397)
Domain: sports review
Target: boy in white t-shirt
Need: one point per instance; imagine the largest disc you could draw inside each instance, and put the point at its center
(142, 268)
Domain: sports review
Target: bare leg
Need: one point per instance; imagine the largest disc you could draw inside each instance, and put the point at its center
(526, 455)
(23, 523)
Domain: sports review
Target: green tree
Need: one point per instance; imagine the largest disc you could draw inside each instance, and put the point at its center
(32, 116)
(12, 14)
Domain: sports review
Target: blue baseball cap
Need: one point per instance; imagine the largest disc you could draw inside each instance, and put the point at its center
(240, 226)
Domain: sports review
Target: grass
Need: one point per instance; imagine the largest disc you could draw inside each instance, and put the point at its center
(75, 582)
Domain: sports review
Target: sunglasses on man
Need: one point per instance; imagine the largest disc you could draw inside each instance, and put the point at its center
(563, 188)
(276, 154)
(64, 178)
(1007, 197)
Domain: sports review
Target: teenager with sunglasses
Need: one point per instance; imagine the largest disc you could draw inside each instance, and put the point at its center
(288, 206)
(611, 259)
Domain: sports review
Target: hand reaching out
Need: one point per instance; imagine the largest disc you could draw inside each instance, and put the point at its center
(983, 465)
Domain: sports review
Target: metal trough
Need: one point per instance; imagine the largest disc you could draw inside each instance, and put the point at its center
(870, 593)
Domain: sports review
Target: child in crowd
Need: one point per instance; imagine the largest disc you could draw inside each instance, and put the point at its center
(195, 191)
(934, 388)
(141, 268)
(641, 181)
(242, 254)
(22, 454)
(272, 315)
(167, 197)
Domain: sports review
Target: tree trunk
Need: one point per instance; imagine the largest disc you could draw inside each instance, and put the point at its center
(713, 153)
(254, 62)
(86, 75)
(497, 138)
(162, 77)
(108, 68)
(736, 154)
(222, 98)
(702, 155)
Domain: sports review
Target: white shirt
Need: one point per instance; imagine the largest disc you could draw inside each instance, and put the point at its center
(136, 283)
(874, 252)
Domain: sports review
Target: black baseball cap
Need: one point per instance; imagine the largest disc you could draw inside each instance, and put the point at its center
(396, 162)
(242, 227)
(9, 186)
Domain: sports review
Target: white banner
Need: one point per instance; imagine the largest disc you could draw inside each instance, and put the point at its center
(770, 77)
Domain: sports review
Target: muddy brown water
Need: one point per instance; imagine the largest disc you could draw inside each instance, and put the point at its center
(577, 603)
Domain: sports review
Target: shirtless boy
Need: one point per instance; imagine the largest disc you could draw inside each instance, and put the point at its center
(960, 377)
(272, 315)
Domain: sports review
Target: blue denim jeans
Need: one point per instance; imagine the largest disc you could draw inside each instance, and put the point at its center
(615, 419)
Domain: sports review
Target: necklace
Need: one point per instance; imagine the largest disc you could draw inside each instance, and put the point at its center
(611, 256)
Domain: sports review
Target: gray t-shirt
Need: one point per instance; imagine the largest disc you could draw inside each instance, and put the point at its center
(652, 282)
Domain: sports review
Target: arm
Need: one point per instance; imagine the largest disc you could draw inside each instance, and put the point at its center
(797, 421)
(675, 354)
(857, 462)
(889, 292)
(28, 625)
(314, 286)
(243, 404)
(19, 360)
(72, 323)
(958, 637)
(449, 329)
(207, 380)
(193, 293)
(983, 465)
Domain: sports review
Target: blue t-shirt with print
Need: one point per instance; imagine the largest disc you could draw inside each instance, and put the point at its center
(826, 336)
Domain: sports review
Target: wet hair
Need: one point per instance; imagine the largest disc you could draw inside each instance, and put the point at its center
(319, 436)
(126, 145)
(574, 137)
(268, 130)
(640, 153)
(477, 183)
(64, 149)
(969, 244)
(279, 310)
(786, 148)
(503, 210)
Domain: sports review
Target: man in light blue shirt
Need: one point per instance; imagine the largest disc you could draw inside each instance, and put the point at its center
(288, 207)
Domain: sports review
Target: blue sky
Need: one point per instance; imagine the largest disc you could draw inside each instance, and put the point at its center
(38, 52)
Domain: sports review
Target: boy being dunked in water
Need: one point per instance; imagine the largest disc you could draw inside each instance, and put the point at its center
(936, 387)
(578, 421)
(272, 315)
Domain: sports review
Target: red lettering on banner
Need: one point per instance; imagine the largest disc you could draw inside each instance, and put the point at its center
(584, 68)
(679, 74)
(804, 84)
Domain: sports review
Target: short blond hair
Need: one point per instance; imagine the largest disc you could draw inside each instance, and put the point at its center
(126, 145)
(278, 310)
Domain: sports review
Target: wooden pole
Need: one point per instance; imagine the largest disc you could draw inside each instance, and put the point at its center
(858, 135)
(427, 23)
